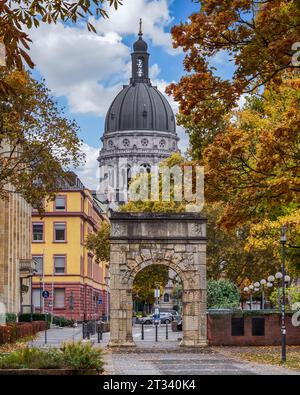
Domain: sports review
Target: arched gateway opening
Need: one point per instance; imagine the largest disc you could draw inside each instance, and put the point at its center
(178, 241)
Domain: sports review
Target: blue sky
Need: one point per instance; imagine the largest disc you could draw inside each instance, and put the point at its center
(85, 70)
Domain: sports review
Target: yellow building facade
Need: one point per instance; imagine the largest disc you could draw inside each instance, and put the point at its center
(75, 282)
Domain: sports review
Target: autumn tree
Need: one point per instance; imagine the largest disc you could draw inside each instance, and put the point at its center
(259, 38)
(147, 280)
(38, 145)
(19, 16)
(99, 243)
(230, 256)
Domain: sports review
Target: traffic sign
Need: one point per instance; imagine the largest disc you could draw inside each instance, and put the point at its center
(45, 294)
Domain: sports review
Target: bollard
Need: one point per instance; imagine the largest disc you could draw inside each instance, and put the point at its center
(99, 333)
(88, 335)
(167, 332)
(46, 327)
(143, 336)
(156, 332)
(84, 330)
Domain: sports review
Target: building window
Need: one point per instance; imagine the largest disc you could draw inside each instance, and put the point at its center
(237, 327)
(258, 327)
(36, 298)
(59, 232)
(145, 168)
(81, 232)
(110, 144)
(60, 203)
(38, 206)
(162, 143)
(126, 143)
(59, 264)
(38, 232)
(59, 298)
(90, 266)
(166, 298)
(145, 142)
(39, 264)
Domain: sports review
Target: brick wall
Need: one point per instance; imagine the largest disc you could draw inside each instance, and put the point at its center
(86, 304)
(220, 331)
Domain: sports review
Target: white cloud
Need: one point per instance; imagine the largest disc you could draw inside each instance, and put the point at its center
(89, 173)
(84, 67)
(89, 69)
(156, 20)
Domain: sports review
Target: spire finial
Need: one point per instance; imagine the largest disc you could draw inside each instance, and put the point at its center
(141, 27)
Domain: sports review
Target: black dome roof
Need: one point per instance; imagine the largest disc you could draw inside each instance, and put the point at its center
(140, 45)
(140, 106)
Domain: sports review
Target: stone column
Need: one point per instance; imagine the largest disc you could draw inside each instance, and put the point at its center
(120, 302)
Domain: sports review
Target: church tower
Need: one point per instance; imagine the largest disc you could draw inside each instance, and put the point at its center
(140, 129)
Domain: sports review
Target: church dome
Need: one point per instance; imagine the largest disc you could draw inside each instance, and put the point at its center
(140, 106)
(140, 45)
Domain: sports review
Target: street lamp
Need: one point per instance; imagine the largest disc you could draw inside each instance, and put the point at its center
(283, 240)
(263, 283)
(248, 291)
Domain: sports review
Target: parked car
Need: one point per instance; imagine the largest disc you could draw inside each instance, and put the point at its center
(165, 318)
(175, 315)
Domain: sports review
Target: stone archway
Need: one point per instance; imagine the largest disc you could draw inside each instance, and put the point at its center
(175, 240)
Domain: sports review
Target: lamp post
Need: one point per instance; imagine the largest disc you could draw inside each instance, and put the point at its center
(263, 283)
(283, 240)
(278, 277)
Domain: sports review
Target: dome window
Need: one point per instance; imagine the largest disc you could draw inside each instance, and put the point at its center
(145, 142)
(112, 116)
(162, 143)
(110, 143)
(145, 113)
(126, 143)
(145, 168)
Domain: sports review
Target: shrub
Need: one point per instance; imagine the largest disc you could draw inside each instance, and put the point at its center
(77, 356)
(80, 356)
(27, 317)
(10, 318)
(222, 295)
(32, 358)
(63, 322)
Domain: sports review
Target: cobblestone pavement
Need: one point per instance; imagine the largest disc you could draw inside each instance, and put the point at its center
(164, 357)
(175, 364)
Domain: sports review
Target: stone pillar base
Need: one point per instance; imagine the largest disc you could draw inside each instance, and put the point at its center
(194, 344)
(121, 344)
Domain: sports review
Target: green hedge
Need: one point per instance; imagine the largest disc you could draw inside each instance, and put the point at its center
(63, 322)
(246, 313)
(27, 317)
(10, 318)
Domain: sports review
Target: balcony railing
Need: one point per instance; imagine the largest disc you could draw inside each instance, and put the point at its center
(27, 267)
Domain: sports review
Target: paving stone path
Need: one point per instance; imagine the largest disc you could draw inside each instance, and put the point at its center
(161, 358)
